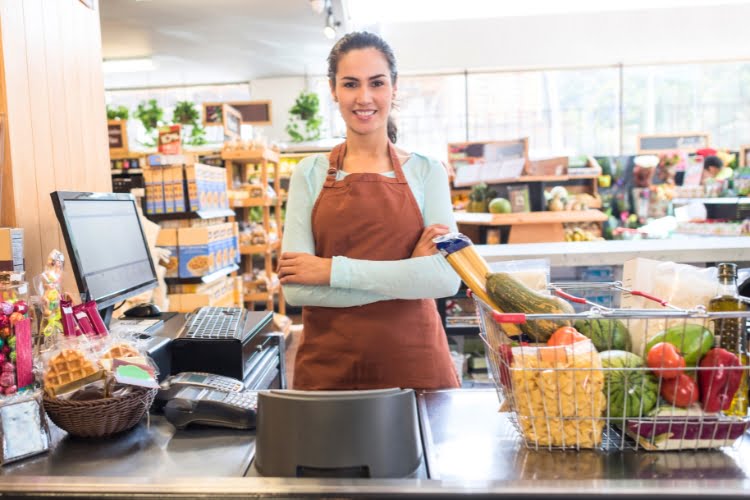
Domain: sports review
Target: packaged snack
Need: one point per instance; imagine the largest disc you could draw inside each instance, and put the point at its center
(67, 367)
(69, 324)
(95, 318)
(558, 394)
(82, 318)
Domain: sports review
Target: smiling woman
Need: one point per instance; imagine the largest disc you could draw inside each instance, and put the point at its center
(357, 248)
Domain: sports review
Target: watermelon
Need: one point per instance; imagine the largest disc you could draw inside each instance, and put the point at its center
(632, 391)
(605, 334)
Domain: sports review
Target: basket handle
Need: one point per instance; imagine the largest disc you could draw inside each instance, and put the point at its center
(515, 318)
(648, 296)
(569, 297)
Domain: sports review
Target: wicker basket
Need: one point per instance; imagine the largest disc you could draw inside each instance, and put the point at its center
(100, 417)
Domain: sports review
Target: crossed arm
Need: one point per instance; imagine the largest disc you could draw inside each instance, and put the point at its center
(345, 282)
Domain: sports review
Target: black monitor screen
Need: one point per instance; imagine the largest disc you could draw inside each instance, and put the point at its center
(106, 244)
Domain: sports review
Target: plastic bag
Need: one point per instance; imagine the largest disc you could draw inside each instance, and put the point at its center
(681, 285)
(534, 273)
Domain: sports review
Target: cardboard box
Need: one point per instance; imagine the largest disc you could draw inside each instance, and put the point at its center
(548, 166)
(11, 249)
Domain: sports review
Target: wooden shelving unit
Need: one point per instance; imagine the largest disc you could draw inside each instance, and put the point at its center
(268, 162)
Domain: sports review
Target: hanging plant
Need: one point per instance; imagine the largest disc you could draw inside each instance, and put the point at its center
(304, 120)
(150, 115)
(118, 113)
(185, 113)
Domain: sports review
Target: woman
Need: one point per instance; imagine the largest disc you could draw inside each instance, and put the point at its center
(357, 248)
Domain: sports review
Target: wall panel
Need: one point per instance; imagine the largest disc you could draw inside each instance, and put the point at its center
(53, 93)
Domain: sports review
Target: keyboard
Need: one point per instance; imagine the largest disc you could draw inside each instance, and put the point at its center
(216, 323)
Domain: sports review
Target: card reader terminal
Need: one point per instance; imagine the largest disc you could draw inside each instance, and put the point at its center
(196, 405)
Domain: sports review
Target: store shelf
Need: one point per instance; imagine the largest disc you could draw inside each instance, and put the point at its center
(713, 201)
(251, 155)
(200, 214)
(253, 202)
(261, 296)
(209, 278)
(564, 216)
(467, 330)
(259, 249)
(128, 171)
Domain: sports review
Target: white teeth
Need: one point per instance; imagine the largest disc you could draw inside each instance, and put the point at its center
(364, 113)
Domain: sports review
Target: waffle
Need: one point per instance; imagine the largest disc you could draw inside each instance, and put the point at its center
(66, 367)
(121, 351)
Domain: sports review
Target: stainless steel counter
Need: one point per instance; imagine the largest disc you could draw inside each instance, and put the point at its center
(471, 449)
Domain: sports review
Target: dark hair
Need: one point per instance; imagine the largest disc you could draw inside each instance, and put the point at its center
(712, 161)
(364, 40)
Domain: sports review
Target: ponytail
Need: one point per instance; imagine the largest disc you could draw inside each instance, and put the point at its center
(392, 130)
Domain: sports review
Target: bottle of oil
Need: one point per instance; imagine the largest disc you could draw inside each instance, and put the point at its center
(730, 332)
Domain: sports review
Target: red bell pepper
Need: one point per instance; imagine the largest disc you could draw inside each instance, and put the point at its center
(719, 380)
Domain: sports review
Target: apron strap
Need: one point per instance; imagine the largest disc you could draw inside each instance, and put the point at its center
(336, 160)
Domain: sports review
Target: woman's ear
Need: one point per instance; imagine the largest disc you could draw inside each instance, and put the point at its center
(332, 86)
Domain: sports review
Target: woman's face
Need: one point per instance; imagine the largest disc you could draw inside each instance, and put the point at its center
(364, 91)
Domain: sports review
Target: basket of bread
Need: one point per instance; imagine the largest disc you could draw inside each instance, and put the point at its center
(97, 385)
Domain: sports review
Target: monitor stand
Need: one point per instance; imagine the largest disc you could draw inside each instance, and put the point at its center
(106, 315)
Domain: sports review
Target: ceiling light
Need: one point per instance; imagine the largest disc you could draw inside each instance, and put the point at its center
(331, 24)
(128, 65)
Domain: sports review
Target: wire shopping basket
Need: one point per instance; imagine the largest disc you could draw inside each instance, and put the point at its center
(605, 391)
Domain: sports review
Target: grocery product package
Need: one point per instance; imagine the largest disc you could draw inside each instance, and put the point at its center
(558, 394)
(681, 285)
(534, 273)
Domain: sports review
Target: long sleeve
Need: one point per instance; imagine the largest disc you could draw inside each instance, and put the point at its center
(418, 278)
(298, 237)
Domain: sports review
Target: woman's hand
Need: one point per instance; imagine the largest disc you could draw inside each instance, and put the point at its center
(425, 247)
(304, 269)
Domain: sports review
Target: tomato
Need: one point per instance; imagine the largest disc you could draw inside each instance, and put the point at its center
(680, 391)
(665, 360)
(565, 335)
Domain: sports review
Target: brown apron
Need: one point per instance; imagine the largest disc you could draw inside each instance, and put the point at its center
(392, 343)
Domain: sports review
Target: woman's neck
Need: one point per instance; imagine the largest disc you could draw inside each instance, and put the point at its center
(367, 146)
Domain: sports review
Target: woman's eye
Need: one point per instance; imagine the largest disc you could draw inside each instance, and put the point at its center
(350, 85)
(378, 83)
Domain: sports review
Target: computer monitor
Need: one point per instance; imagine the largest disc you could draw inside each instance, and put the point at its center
(107, 246)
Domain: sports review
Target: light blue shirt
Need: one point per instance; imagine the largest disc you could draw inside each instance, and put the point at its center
(356, 282)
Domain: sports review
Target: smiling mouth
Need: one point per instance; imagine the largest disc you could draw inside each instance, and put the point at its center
(362, 112)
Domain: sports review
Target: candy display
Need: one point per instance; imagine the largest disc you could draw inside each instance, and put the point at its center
(15, 334)
(49, 287)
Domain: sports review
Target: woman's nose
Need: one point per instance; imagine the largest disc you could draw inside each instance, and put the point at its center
(363, 96)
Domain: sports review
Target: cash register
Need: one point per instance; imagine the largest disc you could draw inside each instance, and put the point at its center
(111, 261)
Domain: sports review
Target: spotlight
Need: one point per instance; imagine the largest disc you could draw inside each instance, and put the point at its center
(331, 24)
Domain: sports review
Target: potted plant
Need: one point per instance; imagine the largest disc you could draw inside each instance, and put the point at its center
(118, 113)
(151, 116)
(186, 114)
(304, 120)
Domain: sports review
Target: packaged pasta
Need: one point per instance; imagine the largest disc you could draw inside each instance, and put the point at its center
(461, 254)
(558, 394)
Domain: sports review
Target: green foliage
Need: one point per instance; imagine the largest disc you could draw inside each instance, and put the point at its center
(185, 113)
(118, 113)
(304, 120)
(150, 115)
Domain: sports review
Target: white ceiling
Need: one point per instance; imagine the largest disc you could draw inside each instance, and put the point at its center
(216, 41)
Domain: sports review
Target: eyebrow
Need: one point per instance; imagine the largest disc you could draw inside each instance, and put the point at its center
(357, 79)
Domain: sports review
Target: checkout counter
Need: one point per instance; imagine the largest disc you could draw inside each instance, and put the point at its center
(469, 449)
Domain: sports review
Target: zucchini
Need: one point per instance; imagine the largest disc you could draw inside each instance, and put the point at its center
(512, 296)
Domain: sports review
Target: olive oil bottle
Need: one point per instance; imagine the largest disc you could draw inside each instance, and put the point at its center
(731, 333)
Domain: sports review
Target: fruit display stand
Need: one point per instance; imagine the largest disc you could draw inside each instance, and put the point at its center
(238, 163)
(529, 227)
